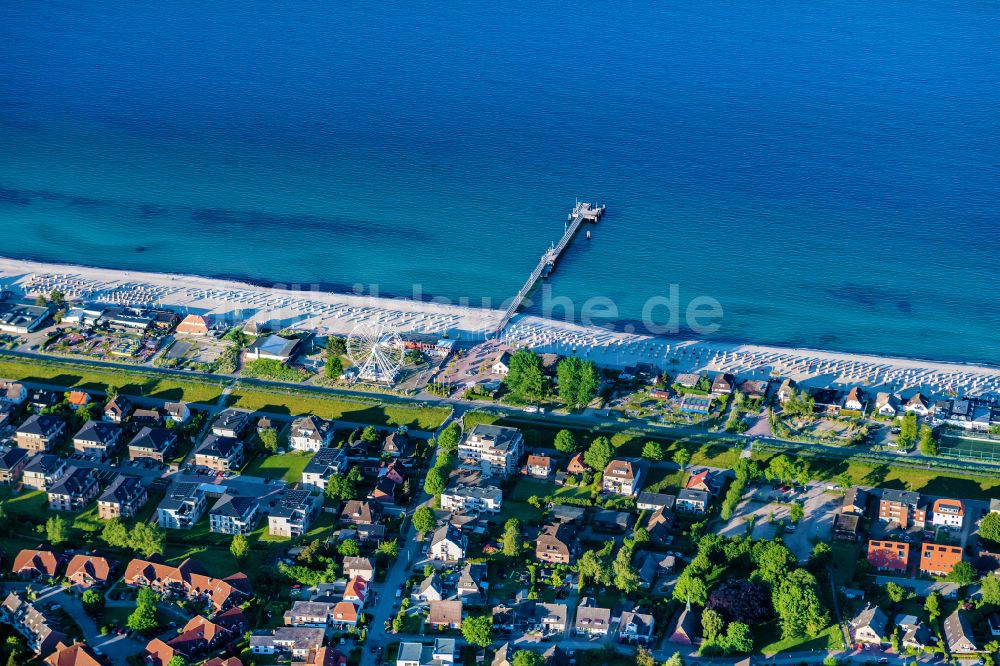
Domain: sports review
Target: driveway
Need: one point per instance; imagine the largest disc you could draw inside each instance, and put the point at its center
(116, 648)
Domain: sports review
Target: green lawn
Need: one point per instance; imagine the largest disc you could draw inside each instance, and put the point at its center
(769, 640)
(333, 407)
(287, 466)
(525, 487)
(132, 382)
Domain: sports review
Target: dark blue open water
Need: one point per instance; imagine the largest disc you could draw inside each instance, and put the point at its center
(827, 170)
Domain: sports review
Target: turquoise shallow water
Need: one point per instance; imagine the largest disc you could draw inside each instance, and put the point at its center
(827, 171)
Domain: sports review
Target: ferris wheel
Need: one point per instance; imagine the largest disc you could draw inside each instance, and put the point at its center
(377, 351)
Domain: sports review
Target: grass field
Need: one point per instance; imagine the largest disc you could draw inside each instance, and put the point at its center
(972, 448)
(132, 382)
(770, 641)
(332, 407)
(545, 490)
(287, 466)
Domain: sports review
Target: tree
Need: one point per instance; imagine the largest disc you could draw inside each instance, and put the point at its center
(525, 378)
(599, 454)
(895, 591)
(449, 438)
(739, 600)
(820, 556)
(738, 638)
(796, 601)
(626, 578)
(712, 625)
(434, 482)
(269, 439)
(148, 539)
(115, 534)
(928, 445)
(389, 549)
(370, 435)
(675, 660)
(93, 601)
(652, 451)
(424, 520)
(510, 542)
(527, 658)
(682, 457)
(568, 377)
(57, 530)
(334, 367)
(589, 383)
(795, 512)
(990, 589)
(773, 560)
(691, 588)
(478, 630)
(989, 527)
(340, 488)
(349, 548)
(591, 566)
(644, 657)
(933, 607)
(962, 573)
(144, 618)
(335, 346)
(907, 430)
(240, 547)
(177, 660)
(565, 442)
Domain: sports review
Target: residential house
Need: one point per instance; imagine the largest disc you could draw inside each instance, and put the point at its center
(309, 614)
(687, 628)
(178, 412)
(606, 520)
(937, 559)
(622, 477)
(310, 433)
(75, 490)
(40, 433)
(917, 405)
(555, 544)
(471, 492)
(902, 507)
(356, 591)
(273, 347)
(755, 389)
(152, 444)
(501, 365)
(869, 626)
(118, 409)
(708, 480)
(193, 324)
(296, 641)
(636, 627)
(12, 464)
(97, 439)
(383, 491)
(359, 567)
(292, 514)
(693, 501)
(889, 555)
(545, 618)
(947, 513)
(220, 454)
(182, 506)
(147, 418)
(430, 589)
(847, 527)
(538, 467)
(591, 620)
(886, 404)
(445, 614)
(122, 498)
(855, 400)
(655, 501)
(496, 448)
(916, 635)
(855, 501)
(448, 544)
(189, 580)
(441, 653)
(88, 570)
(958, 633)
(234, 514)
(472, 581)
(659, 525)
(77, 654)
(358, 512)
(398, 445)
(325, 463)
(723, 384)
(77, 399)
(28, 620)
(35, 564)
(231, 423)
(42, 471)
(826, 401)
(576, 465)
(687, 379)
(394, 471)
(13, 393)
(345, 614)
(41, 399)
(786, 390)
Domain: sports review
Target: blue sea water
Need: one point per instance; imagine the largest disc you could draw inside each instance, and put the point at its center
(827, 170)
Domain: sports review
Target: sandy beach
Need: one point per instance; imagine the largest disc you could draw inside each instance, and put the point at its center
(235, 302)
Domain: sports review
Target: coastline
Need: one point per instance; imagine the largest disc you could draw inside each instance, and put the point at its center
(333, 312)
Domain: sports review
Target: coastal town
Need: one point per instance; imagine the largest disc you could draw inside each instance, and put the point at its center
(182, 487)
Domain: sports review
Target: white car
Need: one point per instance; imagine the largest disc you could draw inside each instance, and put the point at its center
(531, 409)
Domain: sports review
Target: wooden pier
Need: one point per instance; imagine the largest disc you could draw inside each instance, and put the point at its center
(582, 212)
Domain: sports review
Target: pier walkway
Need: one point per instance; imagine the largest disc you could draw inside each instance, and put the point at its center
(582, 212)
